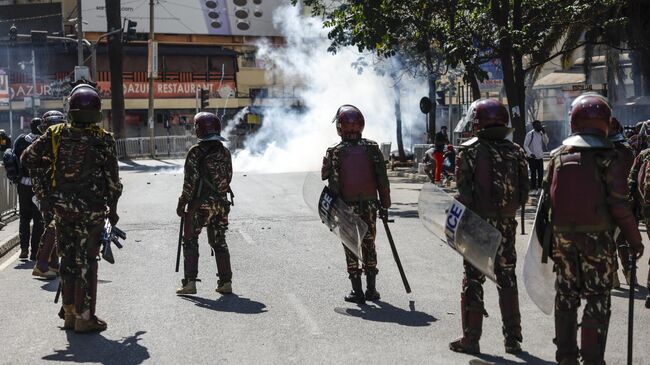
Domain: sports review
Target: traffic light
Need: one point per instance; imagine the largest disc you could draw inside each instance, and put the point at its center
(13, 35)
(205, 98)
(130, 33)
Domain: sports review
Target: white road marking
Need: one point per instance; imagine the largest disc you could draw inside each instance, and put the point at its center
(246, 237)
(303, 313)
(9, 261)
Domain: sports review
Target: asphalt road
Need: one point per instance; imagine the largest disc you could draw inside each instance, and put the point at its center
(289, 279)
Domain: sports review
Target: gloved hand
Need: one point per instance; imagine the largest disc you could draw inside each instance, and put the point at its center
(180, 208)
(637, 249)
(533, 157)
(383, 213)
(45, 207)
(113, 217)
(384, 198)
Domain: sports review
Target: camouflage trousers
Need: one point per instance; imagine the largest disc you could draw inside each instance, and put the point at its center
(47, 255)
(367, 211)
(585, 264)
(506, 261)
(214, 216)
(647, 225)
(78, 246)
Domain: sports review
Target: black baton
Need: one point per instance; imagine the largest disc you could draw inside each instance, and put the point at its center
(395, 255)
(180, 243)
(630, 315)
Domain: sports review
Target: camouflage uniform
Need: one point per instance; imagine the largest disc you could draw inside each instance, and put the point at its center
(208, 172)
(626, 153)
(365, 207)
(642, 210)
(76, 177)
(492, 180)
(584, 251)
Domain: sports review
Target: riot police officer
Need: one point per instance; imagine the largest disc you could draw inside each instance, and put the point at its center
(356, 172)
(78, 181)
(492, 180)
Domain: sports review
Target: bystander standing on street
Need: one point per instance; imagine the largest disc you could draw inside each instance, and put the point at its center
(534, 144)
(440, 141)
(27, 209)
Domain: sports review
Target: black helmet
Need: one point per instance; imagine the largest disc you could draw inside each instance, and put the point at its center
(85, 105)
(35, 124)
(51, 118)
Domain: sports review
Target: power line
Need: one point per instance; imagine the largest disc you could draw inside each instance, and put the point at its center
(30, 18)
(176, 18)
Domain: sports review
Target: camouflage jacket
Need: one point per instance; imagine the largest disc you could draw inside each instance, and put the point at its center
(331, 169)
(492, 177)
(633, 183)
(75, 168)
(208, 172)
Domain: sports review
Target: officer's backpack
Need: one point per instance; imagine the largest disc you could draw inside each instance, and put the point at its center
(12, 165)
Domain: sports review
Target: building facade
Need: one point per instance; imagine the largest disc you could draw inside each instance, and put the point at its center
(200, 45)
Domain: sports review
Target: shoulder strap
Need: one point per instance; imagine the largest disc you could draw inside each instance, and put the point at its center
(203, 178)
(532, 135)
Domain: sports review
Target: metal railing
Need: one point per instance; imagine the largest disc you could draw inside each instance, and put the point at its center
(8, 197)
(166, 146)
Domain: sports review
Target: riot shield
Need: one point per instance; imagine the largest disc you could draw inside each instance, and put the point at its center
(539, 278)
(334, 213)
(463, 230)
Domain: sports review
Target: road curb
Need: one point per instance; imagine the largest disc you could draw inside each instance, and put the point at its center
(409, 175)
(9, 244)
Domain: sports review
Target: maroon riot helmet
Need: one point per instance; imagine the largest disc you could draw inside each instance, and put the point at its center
(489, 118)
(85, 105)
(207, 127)
(590, 118)
(590, 114)
(349, 122)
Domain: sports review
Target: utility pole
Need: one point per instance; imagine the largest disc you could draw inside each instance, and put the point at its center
(152, 144)
(11, 114)
(80, 45)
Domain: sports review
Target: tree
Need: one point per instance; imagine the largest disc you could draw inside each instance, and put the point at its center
(113, 22)
(521, 34)
(387, 28)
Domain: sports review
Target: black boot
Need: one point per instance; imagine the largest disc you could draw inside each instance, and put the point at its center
(356, 295)
(371, 292)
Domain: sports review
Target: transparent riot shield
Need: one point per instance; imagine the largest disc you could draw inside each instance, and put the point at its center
(463, 230)
(539, 278)
(334, 213)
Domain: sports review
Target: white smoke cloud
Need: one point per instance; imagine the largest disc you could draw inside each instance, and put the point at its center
(290, 141)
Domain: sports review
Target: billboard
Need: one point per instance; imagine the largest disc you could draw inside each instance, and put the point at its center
(132, 90)
(494, 72)
(214, 17)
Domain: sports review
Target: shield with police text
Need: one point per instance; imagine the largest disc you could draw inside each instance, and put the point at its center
(339, 218)
(538, 276)
(463, 230)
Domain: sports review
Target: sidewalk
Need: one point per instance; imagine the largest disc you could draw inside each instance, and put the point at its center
(409, 174)
(9, 236)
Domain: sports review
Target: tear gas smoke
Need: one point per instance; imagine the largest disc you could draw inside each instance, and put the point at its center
(296, 141)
